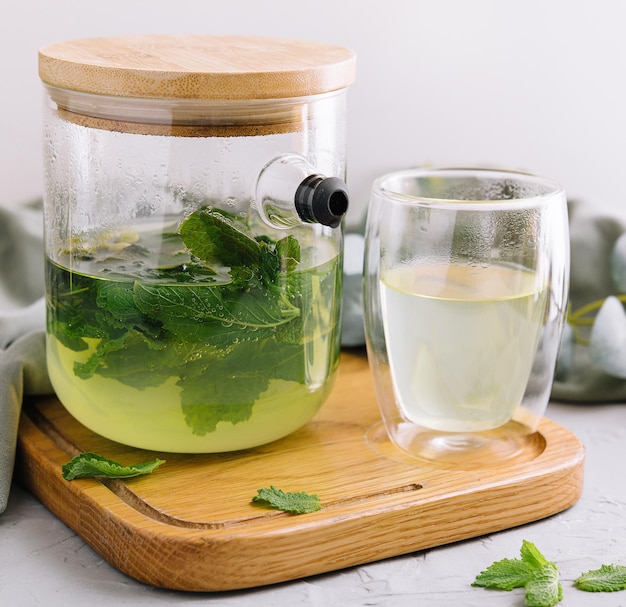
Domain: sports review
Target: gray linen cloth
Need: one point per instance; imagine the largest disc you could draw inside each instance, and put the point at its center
(22, 324)
(592, 360)
(591, 368)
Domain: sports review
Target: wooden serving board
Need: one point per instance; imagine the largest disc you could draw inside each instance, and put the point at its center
(190, 525)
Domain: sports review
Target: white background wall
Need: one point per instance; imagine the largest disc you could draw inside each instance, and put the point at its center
(536, 85)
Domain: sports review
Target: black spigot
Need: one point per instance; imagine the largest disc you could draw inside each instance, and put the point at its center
(289, 191)
(322, 200)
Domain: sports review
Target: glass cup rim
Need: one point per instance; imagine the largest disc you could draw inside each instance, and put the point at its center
(553, 190)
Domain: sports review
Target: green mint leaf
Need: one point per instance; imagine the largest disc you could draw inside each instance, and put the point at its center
(179, 308)
(234, 384)
(203, 418)
(269, 267)
(531, 555)
(609, 578)
(212, 235)
(505, 575)
(544, 588)
(117, 309)
(89, 465)
(75, 315)
(288, 250)
(133, 359)
(538, 576)
(294, 502)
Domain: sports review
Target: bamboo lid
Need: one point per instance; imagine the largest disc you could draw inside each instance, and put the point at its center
(197, 67)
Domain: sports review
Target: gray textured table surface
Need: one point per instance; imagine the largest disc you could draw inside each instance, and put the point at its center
(42, 562)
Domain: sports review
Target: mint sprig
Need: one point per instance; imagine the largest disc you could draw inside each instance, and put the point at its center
(609, 578)
(293, 502)
(538, 576)
(91, 465)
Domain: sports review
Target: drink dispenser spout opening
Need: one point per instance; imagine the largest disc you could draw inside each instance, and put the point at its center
(322, 200)
(289, 191)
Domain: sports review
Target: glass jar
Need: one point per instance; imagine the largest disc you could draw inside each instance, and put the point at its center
(193, 209)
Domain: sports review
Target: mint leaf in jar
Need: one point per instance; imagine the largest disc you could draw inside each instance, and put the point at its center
(213, 236)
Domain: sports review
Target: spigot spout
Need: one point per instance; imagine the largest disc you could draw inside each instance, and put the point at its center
(289, 191)
(322, 199)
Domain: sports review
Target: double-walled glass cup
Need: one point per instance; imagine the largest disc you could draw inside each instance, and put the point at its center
(466, 283)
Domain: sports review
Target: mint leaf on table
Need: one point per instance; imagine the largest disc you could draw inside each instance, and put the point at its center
(293, 502)
(90, 465)
(538, 576)
(531, 555)
(544, 588)
(505, 575)
(609, 578)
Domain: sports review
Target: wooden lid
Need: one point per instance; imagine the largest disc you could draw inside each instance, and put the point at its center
(197, 67)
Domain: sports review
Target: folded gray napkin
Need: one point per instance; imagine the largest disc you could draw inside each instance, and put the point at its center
(592, 360)
(22, 323)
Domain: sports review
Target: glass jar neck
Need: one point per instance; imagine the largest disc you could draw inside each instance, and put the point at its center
(191, 117)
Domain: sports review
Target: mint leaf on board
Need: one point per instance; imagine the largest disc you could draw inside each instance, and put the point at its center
(90, 465)
(293, 502)
(609, 578)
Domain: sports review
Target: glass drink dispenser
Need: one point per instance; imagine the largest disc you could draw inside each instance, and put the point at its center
(193, 205)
